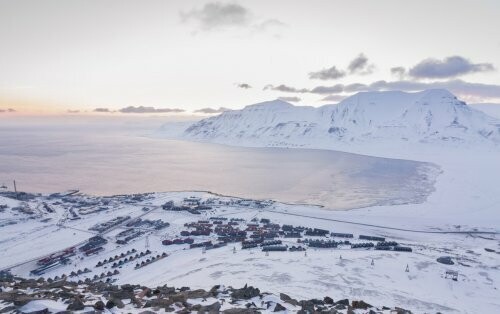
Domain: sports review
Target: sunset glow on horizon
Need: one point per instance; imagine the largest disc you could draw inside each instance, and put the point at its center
(78, 56)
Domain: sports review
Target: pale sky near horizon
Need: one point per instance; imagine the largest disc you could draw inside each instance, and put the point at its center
(81, 55)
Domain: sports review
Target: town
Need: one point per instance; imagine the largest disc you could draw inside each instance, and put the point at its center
(145, 238)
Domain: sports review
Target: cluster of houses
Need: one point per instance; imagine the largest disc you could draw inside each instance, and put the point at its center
(94, 245)
(115, 258)
(101, 227)
(107, 275)
(178, 241)
(268, 236)
(127, 259)
(137, 228)
(150, 260)
(53, 261)
(127, 235)
(193, 205)
(148, 224)
(79, 272)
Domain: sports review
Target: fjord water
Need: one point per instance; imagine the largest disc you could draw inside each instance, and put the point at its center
(110, 159)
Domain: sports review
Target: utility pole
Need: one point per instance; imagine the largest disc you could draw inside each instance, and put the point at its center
(15, 190)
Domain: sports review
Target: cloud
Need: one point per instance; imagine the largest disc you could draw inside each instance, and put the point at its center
(338, 88)
(398, 71)
(359, 65)
(458, 87)
(212, 110)
(7, 110)
(447, 68)
(217, 15)
(142, 109)
(290, 98)
(244, 85)
(267, 24)
(336, 98)
(73, 111)
(101, 110)
(285, 88)
(327, 74)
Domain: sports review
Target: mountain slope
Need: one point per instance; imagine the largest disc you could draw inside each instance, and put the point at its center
(427, 116)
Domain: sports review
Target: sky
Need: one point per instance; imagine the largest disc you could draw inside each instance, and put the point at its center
(170, 57)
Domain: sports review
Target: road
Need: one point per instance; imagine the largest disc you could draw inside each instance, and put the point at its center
(386, 227)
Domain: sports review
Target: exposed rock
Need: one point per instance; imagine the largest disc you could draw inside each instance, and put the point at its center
(196, 294)
(340, 307)
(179, 297)
(99, 305)
(328, 300)
(401, 311)
(245, 293)
(343, 302)
(212, 308)
(117, 302)
(317, 301)
(161, 303)
(279, 308)
(240, 311)
(76, 305)
(110, 304)
(44, 311)
(214, 291)
(360, 305)
(307, 306)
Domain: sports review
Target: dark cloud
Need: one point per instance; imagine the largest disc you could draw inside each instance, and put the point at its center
(327, 74)
(7, 110)
(447, 68)
(142, 109)
(336, 98)
(285, 88)
(360, 65)
(101, 110)
(458, 87)
(338, 88)
(398, 71)
(290, 98)
(244, 85)
(216, 15)
(211, 110)
(354, 87)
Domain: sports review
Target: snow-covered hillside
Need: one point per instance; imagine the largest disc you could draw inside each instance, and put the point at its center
(428, 116)
(490, 109)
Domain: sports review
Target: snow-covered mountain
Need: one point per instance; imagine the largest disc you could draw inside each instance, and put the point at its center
(428, 116)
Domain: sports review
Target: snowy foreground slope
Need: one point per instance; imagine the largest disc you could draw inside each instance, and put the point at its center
(43, 226)
(429, 116)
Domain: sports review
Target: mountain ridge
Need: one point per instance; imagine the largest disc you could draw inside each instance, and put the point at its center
(434, 115)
